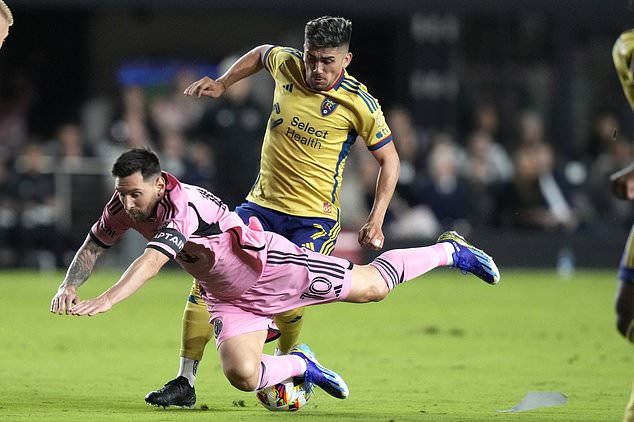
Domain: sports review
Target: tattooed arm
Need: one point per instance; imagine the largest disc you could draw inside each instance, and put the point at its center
(78, 272)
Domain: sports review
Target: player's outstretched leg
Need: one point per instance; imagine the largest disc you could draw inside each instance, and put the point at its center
(176, 392)
(470, 259)
(316, 374)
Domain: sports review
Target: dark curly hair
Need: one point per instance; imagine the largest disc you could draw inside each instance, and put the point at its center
(328, 32)
(137, 159)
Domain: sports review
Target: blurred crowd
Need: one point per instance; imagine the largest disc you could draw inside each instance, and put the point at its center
(447, 180)
(485, 182)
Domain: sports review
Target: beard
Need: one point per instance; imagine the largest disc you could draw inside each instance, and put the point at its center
(138, 216)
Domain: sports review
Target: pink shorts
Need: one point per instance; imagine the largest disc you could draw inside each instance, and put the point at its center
(292, 277)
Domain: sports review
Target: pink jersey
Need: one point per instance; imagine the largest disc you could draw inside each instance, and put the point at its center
(195, 228)
(245, 275)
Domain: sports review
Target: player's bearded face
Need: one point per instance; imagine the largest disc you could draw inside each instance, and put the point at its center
(324, 66)
(139, 197)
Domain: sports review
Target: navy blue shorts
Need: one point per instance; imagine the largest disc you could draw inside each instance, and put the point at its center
(314, 233)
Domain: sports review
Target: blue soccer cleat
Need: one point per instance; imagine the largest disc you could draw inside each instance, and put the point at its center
(328, 380)
(470, 259)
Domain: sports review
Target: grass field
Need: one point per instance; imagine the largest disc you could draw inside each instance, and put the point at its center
(442, 348)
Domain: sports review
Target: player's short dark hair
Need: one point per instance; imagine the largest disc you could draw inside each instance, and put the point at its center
(137, 159)
(328, 32)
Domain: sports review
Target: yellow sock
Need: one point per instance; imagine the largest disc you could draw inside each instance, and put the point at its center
(196, 331)
(290, 324)
(629, 409)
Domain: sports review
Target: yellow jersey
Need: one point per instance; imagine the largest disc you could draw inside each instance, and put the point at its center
(622, 57)
(308, 138)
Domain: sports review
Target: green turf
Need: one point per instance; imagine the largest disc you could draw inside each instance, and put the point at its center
(442, 348)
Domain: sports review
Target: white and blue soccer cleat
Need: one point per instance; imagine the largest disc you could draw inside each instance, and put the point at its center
(327, 380)
(470, 259)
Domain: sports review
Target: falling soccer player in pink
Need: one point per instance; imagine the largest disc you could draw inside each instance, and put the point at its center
(246, 275)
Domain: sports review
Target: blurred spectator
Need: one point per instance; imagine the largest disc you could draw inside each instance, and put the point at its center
(68, 146)
(233, 126)
(487, 166)
(487, 120)
(40, 243)
(411, 151)
(531, 129)
(406, 216)
(487, 160)
(14, 113)
(9, 213)
(617, 155)
(177, 113)
(444, 192)
(199, 169)
(173, 153)
(603, 133)
(131, 127)
(536, 198)
(402, 221)
(81, 179)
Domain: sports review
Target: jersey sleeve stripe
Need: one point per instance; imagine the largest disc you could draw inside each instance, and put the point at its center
(265, 56)
(381, 143)
(115, 206)
(97, 241)
(357, 87)
(366, 99)
(170, 209)
(356, 92)
(294, 52)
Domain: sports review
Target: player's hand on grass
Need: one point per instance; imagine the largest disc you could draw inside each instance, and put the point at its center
(205, 87)
(92, 307)
(64, 300)
(371, 236)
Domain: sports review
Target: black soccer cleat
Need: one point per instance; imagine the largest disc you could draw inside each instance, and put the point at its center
(177, 392)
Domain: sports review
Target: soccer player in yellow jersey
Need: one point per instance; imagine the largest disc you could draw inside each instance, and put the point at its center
(318, 112)
(622, 183)
(6, 20)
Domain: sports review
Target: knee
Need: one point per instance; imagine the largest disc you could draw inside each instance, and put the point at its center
(376, 292)
(243, 376)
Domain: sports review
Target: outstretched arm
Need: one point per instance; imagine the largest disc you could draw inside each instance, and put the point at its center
(371, 234)
(78, 272)
(245, 66)
(138, 273)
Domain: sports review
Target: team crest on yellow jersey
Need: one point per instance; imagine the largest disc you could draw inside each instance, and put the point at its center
(328, 106)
